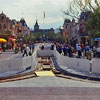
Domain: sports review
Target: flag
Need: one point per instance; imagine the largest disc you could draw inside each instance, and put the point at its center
(44, 15)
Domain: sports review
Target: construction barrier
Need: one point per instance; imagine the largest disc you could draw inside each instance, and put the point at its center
(45, 53)
(19, 64)
(73, 63)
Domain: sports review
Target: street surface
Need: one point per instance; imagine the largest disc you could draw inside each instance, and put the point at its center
(57, 93)
(49, 82)
(49, 88)
(9, 54)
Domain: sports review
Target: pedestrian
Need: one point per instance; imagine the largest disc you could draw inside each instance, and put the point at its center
(42, 47)
(32, 47)
(52, 47)
(98, 51)
(2, 45)
(64, 50)
(82, 47)
(94, 51)
(70, 51)
(79, 51)
(25, 50)
(21, 47)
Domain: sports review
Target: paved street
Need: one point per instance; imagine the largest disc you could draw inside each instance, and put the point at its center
(61, 51)
(57, 93)
(49, 88)
(49, 82)
(9, 54)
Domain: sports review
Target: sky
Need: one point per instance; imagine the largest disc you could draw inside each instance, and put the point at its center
(29, 9)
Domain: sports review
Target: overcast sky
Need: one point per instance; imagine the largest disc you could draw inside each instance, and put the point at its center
(32, 8)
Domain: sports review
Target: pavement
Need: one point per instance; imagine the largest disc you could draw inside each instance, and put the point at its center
(9, 54)
(47, 81)
(57, 93)
(49, 88)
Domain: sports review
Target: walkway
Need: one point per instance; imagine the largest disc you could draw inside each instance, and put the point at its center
(9, 54)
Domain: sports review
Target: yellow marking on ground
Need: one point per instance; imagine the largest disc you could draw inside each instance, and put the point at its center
(44, 73)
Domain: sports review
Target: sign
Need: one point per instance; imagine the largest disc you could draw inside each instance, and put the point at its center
(96, 39)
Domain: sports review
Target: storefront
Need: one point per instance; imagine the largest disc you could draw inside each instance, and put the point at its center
(96, 42)
(10, 39)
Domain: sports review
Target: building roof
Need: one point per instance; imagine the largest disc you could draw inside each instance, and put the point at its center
(23, 22)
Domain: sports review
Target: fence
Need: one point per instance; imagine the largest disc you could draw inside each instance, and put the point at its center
(73, 63)
(19, 64)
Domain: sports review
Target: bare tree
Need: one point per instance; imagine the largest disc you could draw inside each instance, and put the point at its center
(78, 6)
(97, 2)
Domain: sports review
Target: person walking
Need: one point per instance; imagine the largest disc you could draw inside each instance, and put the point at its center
(25, 50)
(32, 47)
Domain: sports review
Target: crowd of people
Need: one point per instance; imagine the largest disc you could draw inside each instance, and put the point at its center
(25, 48)
(6, 46)
(79, 51)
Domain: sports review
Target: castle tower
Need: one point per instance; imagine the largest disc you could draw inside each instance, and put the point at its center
(36, 27)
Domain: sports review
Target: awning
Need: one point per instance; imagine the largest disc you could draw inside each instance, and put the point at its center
(96, 39)
(3, 40)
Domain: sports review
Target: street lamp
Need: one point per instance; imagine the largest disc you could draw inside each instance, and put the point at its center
(61, 31)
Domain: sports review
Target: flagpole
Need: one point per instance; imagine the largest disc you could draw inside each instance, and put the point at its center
(44, 25)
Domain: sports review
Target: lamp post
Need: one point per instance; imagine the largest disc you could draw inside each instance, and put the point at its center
(61, 31)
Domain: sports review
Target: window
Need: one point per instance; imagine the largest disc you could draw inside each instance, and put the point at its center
(0, 27)
(2, 18)
(4, 26)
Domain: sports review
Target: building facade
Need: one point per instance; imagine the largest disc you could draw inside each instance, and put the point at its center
(42, 31)
(6, 27)
(83, 31)
(12, 29)
(37, 28)
(70, 30)
(77, 31)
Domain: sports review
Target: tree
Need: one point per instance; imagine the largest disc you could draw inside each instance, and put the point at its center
(78, 6)
(37, 35)
(59, 37)
(50, 35)
(93, 24)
